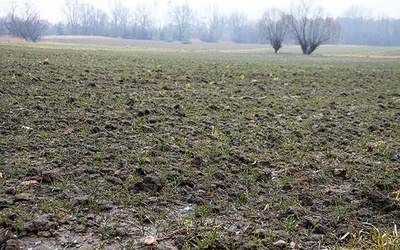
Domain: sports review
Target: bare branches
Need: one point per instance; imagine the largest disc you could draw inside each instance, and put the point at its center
(310, 28)
(212, 25)
(119, 18)
(143, 22)
(73, 15)
(25, 22)
(182, 15)
(237, 23)
(274, 27)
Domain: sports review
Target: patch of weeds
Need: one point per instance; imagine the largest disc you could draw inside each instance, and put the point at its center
(290, 223)
(202, 211)
(395, 195)
(205, 241)
(284, 203)
(106, 231)
(349, 241)
(144, 216)
(257, 240)
(371, 239)
(384, 240)
(47, 206)
(2, 216)
(19, 228)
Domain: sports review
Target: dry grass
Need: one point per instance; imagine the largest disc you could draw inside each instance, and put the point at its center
(13, 40)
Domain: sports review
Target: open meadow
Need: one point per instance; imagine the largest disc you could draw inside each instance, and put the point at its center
(150, 145)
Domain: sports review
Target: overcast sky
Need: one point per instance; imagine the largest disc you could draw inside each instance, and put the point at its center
(52, 9)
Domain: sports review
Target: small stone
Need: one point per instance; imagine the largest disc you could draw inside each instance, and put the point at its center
(45, 234)
(4, 202)
(50, 176)
(150, 241)
(292, 245)
(120, 231)
(150, 183)
(43, 223)
(280, 243)
(340, 172)
(81, 200)
(393, 157)
(24, 197)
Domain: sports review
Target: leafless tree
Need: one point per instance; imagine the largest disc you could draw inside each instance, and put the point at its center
(88, 19)
(119, 18)
(321, 30)
(212, 25)
(25, 22)
(238, 22)
(310, 28)
(85, 19)
(143, 22)
(182, 15)
(274, 27)
(100, 25)
(3, 29)
(73, 14)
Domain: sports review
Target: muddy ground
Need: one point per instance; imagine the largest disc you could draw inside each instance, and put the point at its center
(107, 148)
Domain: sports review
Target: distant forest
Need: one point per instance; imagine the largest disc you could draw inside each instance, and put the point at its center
(182, 24)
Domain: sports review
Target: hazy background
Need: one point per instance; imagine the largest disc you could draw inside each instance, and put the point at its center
(52, 10)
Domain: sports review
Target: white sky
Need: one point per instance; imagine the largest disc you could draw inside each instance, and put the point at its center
(52, 9)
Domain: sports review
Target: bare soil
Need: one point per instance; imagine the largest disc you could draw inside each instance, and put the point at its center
(103, 147)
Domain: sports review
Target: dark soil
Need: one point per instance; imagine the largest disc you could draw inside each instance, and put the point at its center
(101, 148)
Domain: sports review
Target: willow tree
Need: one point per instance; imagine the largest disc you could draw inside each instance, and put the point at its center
(310, 27)
(274, 27)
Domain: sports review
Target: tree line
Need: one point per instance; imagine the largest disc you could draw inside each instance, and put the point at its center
(304, 24)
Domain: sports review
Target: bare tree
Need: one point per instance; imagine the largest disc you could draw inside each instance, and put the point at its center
(100, 24)
(310, 27)
(119, 19)
(212, 25)
(2, 26)
(25, 22)
(73, 14)
(88, 19)
(143, 22)
(321, 30)
(238, 22)
(182, 16)
(274, 27)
